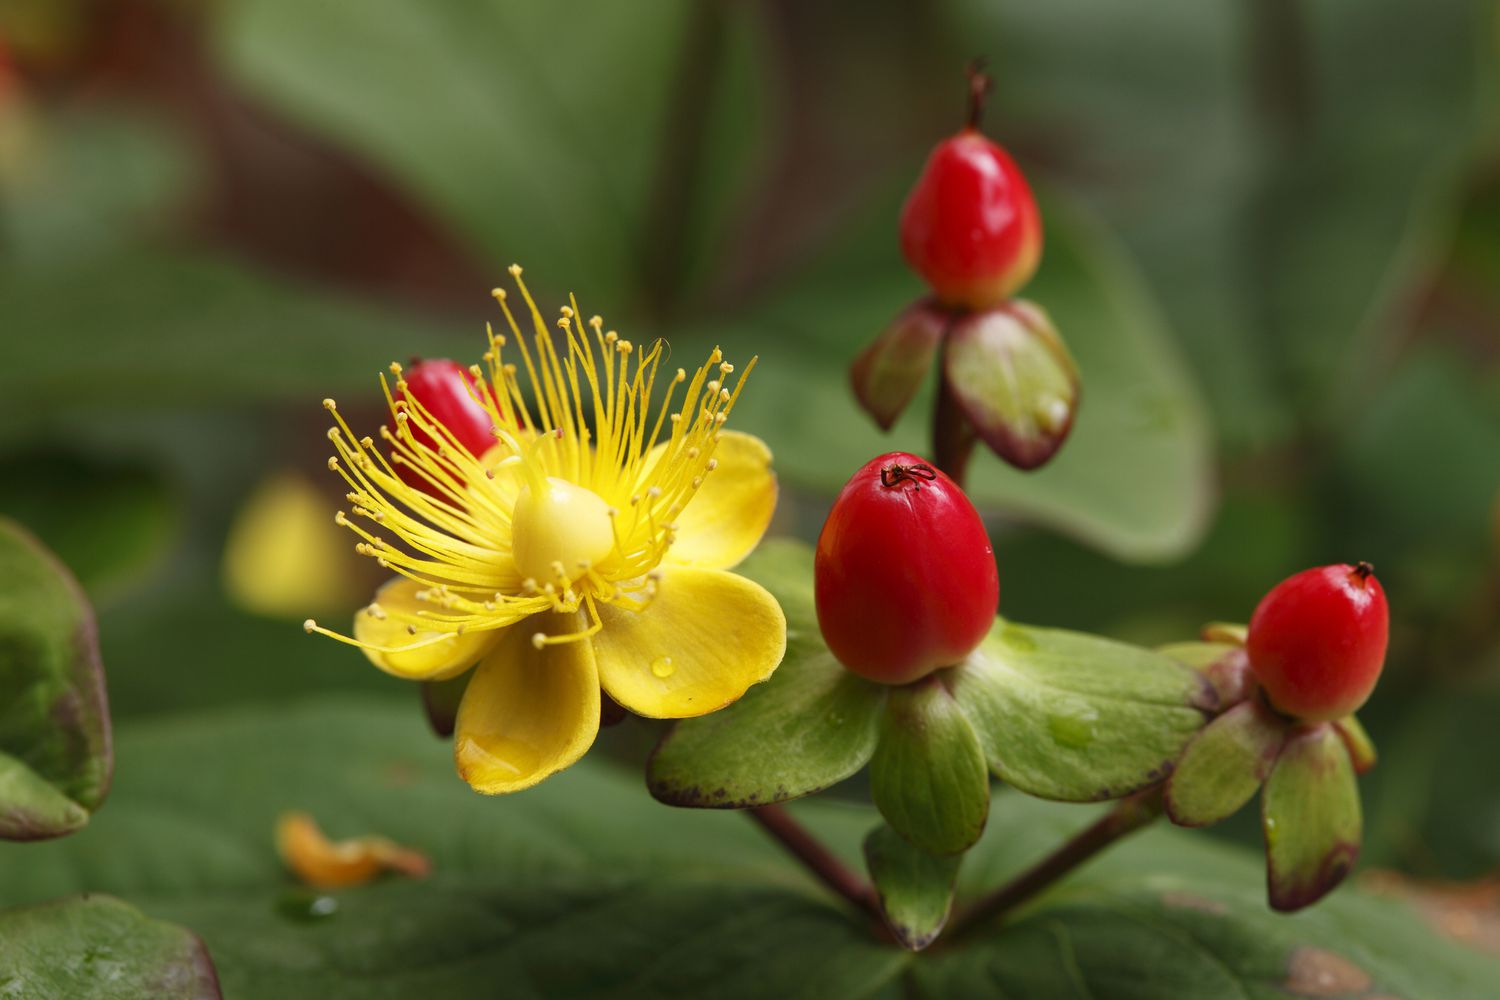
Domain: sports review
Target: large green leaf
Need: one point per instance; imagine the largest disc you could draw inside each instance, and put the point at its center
(811, 725)
(109, 535)
(307, 344)
(95, 946)
(538, 132)
(671, 902)
(1071, 716)
(1134, 476)
(55, 754)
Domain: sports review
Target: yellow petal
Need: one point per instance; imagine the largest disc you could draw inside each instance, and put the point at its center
(733, 507)
(434, 656)
(527, 713)
(700, 644)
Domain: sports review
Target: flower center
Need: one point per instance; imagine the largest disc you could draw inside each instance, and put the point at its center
(562, 524)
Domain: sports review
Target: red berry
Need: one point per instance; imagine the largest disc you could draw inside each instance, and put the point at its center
(970, 227)
(444, 390)
(1317, 641)
(905, 577)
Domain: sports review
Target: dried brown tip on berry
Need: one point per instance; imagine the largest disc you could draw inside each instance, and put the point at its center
(1363, 570)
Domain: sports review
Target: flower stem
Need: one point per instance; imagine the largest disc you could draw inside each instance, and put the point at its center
(952, 438)
(1129, 815)
(802, 845)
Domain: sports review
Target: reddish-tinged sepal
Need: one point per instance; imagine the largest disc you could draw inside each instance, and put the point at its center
(1224, 765)
(447, 393)
(904, 575)
(1310, 815)
(887, 374)
(1317, 641)
(1012, 377)
(440, 702)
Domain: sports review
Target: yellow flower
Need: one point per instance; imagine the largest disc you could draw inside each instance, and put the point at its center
(588, 547)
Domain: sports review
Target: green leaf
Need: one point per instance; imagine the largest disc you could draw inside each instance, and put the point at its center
(96, 946)
(1311, 818)
(915, 888)
(1012, 377)
(481, 111)
(1224, 765)
(1071, 716)
(810, 726)
(54, 722)
(1134, 478)
(110, 535)
(671, 902)
(928, 776)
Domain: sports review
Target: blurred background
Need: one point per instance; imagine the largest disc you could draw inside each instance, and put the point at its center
(1273, 245)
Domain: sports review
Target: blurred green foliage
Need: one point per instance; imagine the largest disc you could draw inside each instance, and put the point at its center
(1273, 246)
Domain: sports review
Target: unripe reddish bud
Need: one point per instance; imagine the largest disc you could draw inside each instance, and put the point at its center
(970, 227)
(905, 576)
(445, 392)
(1317, 641)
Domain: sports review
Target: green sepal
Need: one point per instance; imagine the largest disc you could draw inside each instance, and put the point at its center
(54, 722)
(1224, 665)
(1070, 716)
(928, 776)
(888, 373)
(440, 702)
(1227, 633)
(31, 807)
(811, 725)
(1224, 765)
(99, 946)
(914, 888)
(1310, 814)
(1015, 382)
(1362, 753)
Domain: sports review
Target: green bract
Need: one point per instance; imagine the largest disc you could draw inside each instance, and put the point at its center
(915, 888)
(55, 755)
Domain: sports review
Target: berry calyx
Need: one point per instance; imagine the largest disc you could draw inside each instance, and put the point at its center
(970, 226)
(446, 391)
(904, 577)
(1317, 641)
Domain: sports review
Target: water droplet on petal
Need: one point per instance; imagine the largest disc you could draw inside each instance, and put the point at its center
(662, 667)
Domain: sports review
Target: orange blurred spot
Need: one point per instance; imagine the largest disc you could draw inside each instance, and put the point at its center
(327, 864)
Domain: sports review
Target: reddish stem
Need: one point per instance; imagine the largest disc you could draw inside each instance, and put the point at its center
(980, 85)
(1129, 815)
(952, 438)
(802, 845)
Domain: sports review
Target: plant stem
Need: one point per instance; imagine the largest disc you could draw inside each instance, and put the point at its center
(952, 438)
(1129, 815)
(802, 845)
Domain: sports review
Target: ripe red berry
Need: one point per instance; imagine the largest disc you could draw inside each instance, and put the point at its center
(970, 227)
(905, 577)
(1317, 641)
(444, 389)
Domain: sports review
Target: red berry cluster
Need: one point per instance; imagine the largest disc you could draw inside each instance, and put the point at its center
(971, 229)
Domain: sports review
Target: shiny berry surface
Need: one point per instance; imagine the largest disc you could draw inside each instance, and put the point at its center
(1317, 641)
(970, 227)
(444, 390)
(905, 576)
